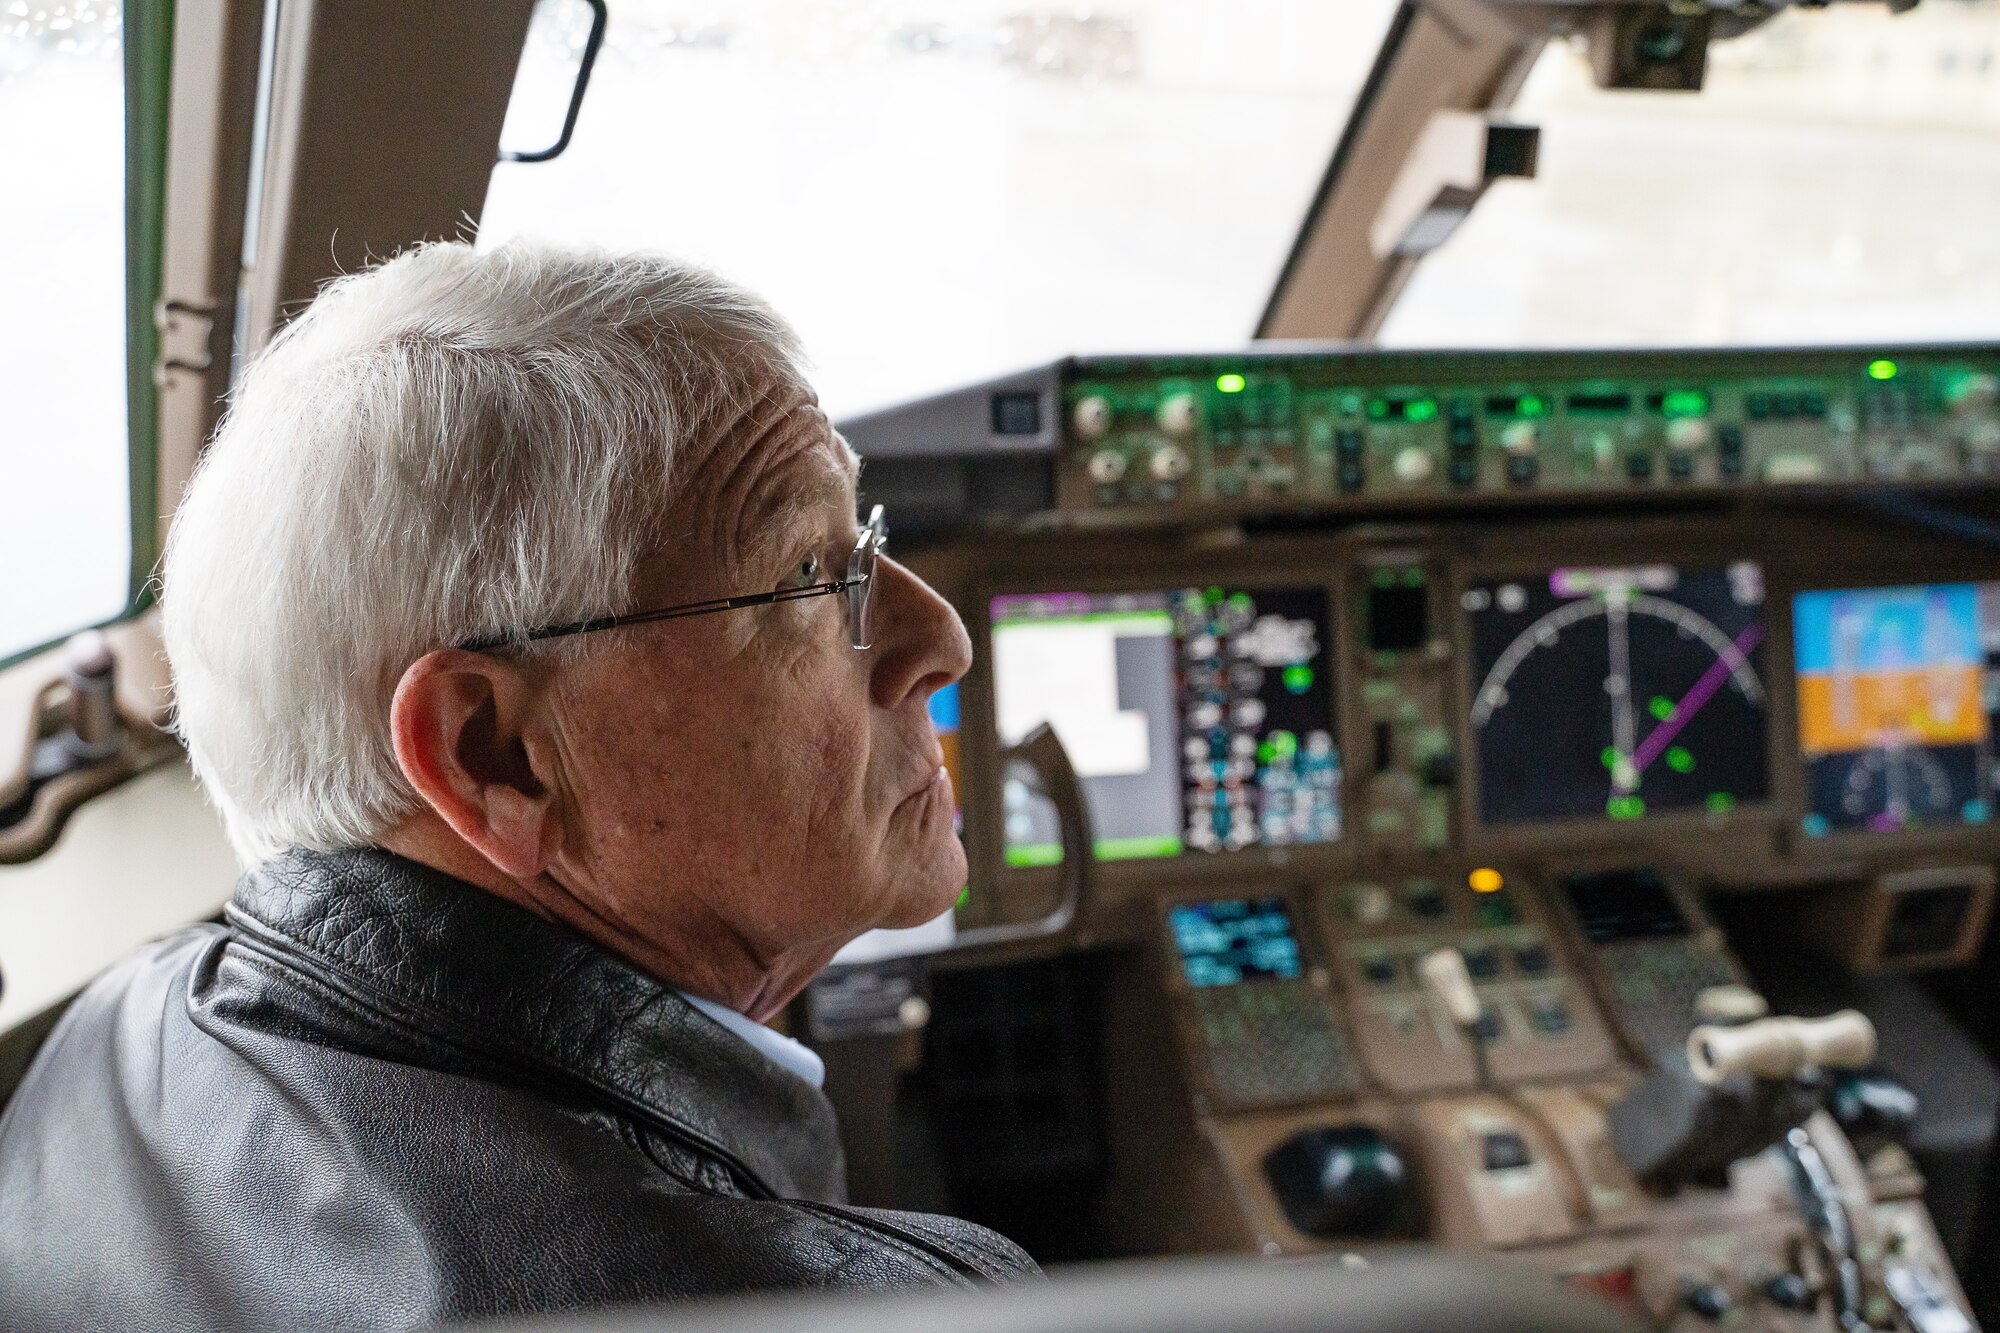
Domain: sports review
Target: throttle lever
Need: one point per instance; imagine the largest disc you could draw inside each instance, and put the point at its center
(1781, 1048)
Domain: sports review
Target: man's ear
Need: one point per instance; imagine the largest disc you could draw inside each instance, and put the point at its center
(469, 731)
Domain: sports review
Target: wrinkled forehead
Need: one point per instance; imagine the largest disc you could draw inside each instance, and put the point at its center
(770, 471)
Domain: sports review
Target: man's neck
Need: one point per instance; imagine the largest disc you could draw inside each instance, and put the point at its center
(712, 960)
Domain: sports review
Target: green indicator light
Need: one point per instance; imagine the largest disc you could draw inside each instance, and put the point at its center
(1625, 807)
(1685, 403)
(1610, 757)
(1420, 409)
(1660, 707)
(1882, 370)
(1281, 744)
(1298, 679)
(1679, 760)
(1378, 408)
(1720, 803)
(1413, 578)
(1230, 383)
(1240, 601)
(1213, 596)
(1530, 405)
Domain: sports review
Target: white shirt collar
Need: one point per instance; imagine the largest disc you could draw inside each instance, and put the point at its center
(776, 1047)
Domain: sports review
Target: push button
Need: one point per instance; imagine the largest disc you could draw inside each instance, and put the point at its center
(1504, 1150)
(1551, 1018)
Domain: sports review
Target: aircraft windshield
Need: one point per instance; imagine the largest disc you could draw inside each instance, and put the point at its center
(935, 191)
(1837, 180)
(65, 506)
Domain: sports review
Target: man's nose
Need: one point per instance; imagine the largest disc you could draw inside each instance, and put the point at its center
(920, 643)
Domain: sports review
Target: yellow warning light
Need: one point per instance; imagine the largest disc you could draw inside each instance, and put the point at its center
(1485, 880)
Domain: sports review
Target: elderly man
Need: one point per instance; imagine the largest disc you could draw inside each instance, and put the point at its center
(568, 724)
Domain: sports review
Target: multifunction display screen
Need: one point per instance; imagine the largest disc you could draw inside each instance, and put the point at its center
(1198, 719)
(1229, 940)
(1618, 692)
(1898, 690)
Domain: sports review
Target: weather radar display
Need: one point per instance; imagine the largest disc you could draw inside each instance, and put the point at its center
(1897, 691)
(1618, 692)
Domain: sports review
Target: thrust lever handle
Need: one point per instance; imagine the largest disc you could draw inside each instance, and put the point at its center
(1780, 1048)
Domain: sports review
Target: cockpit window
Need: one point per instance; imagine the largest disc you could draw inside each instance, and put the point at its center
(935, 191)
(1837, 180)
(65, 500)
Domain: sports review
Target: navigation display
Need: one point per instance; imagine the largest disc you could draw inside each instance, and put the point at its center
(1618, 692)
(1898, 691)
(1199, 719)
(1230, 940)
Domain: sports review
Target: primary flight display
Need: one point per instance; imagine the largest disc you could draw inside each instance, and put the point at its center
(1895, 714)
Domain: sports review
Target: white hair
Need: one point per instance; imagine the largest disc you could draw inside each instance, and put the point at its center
(450, 445)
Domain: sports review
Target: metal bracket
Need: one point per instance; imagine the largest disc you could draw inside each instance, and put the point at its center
(187, 338)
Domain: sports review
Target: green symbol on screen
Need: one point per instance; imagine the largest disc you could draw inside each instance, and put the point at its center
(1531, 406)
(1230, 383)
(1625, 807)
(1420, 409)
(1278, 747)
(1882, 370)
(1298, 679)
(1240, 601)
(1720, 802)
(1610, 757)
(1679, 760)
(1660, 707)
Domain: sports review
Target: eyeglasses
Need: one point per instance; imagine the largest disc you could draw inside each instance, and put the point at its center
(859, 585)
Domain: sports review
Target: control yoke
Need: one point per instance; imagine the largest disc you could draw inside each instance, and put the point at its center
(1041, 750)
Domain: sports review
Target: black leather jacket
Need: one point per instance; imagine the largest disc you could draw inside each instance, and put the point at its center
(380, 1097)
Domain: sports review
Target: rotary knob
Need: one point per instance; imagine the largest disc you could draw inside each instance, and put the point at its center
(1106, 467)
(1520, 437)
(1707, 1300)
(1371, 904)
(1171, 463)
(1178, 415)
(1686, 434)
(1091, 417)
(1412, 465)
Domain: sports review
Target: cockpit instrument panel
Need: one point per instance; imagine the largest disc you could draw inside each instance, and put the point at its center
(1338, 429)
(1618, 692)
(1898, 691)
(1199, 719)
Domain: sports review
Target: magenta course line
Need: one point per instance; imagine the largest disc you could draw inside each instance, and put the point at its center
(1693, 701)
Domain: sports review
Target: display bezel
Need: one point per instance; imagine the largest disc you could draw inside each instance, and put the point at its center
(1900, 569)
(979, 741)
(1683, 552)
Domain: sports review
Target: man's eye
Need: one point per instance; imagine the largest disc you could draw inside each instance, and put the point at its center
(806, 572)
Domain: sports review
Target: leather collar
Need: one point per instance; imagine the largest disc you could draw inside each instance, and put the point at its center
(424, 951)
